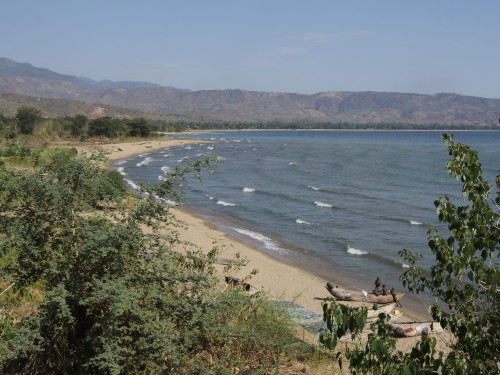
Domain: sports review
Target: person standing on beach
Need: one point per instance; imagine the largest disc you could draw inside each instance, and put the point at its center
(395, 298)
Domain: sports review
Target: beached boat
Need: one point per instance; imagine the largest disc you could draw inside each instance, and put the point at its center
(351, 295)
(416, 329)
(386, 309)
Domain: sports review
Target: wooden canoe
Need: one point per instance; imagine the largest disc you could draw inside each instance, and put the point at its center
(351, 295)
(386, 309)
(416, 329)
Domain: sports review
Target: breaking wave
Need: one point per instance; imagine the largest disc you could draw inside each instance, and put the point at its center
(224, 203)
(299, 221)
(321, 204)
(268, 242)
(354, 251)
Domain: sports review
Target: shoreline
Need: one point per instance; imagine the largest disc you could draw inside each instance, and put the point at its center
(279, 279)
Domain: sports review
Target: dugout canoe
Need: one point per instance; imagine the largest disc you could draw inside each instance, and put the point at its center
(351, 295)
(386, 309)
(416, 329)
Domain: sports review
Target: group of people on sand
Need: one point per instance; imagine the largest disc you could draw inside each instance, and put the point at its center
(232, 281)
(381, 290)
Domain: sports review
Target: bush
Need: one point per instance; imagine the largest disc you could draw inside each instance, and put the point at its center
(117, 299)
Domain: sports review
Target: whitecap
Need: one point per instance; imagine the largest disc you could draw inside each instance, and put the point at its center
(292, 163)
(132, 184)
(321, 204)
(404, 265)
(145, 161)
(167, 201)
(312, 187)
(166, 155)
(412, 222)
(268, 242)
(120, 162)
(165, 169)
(299, 221)
(248, 190)
(209, 148)
(121, 170)
(224, 203)
(353, 251)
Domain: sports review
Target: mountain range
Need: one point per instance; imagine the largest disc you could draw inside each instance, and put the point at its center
(249, 106)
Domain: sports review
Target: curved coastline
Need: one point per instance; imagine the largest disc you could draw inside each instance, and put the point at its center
(289, 278)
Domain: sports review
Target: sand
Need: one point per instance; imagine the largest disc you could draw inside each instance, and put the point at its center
(279, 280)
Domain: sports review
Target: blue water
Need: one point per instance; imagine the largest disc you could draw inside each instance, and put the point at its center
(340, 203)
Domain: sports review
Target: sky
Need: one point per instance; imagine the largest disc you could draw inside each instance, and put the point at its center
(308, 46)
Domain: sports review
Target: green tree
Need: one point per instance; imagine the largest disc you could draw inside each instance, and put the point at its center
(106, 127)
(139, 127)
(464, 280)
(76, 125)
(27, 117)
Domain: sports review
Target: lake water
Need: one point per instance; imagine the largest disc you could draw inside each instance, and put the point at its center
(339, 203)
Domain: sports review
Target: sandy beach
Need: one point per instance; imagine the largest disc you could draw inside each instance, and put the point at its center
(277, 279)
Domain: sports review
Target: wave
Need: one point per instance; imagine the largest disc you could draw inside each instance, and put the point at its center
(223, 203)
(120, 162)
(167, 201)
(353, 251)
(292, 163)
(132, 184)
(209, 148)
(321, 204)
(404, 265)
(313, 188)
(299, 221)
(412, 222)
(248, 190)
(165, 169)
(121, 170)
(209, 197)
(268, 242)
(145, 162)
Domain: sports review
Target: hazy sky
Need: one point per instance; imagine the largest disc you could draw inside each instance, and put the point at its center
(309, 46)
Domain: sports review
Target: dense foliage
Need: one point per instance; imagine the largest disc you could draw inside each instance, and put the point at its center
(115, 298)
(464, 280)
(126, 125)
(29, 120)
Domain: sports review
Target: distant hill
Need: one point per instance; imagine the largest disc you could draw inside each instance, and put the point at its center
(240, 105)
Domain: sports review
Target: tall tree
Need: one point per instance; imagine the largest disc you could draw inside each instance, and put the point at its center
(27, 117)
(77, 125)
